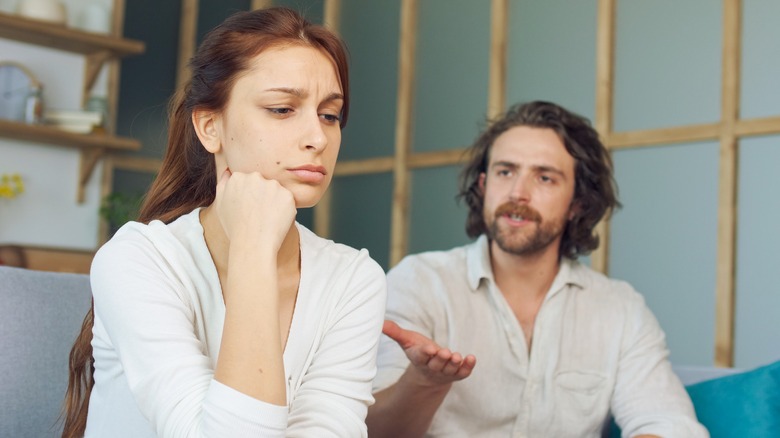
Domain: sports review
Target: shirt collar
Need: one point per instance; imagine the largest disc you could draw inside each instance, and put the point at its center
(478, 262)
(478, 267)
(569, 273)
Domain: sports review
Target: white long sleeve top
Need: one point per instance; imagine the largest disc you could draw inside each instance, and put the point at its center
(159, 314)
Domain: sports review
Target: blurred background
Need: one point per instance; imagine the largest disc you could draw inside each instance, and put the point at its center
(684, 93)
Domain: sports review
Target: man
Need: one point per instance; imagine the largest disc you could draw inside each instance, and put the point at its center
(559, 345)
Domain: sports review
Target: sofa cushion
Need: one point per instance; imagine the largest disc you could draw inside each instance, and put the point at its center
(738, 404)
(741, 405)
(40, 317)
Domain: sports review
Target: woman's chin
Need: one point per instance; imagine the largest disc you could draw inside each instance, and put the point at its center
(306, 200)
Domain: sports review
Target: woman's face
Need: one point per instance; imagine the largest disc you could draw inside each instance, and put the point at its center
(282, 120)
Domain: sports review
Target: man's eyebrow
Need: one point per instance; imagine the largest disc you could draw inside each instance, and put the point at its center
(505, 164)
(543, 168)
(535, 168)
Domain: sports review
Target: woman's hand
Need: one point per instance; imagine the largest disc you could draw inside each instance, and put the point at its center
(256, 214)
(254, 209)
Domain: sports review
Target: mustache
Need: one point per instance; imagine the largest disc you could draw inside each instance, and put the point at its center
(511, 208)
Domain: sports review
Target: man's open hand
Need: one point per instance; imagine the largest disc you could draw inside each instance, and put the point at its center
(431, 364)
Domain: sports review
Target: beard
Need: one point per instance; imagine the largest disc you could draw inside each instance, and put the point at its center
(523, 241)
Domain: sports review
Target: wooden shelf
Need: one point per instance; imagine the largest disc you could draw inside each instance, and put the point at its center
(97, 49)
(91, 146)
(58, 137)
(60, 37)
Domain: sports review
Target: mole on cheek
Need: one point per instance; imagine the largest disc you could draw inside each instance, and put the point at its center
(278, 163)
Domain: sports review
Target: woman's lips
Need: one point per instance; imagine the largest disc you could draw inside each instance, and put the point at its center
(309, 173)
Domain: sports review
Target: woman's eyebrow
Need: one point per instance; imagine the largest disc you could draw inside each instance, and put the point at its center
(334, 96)
(301, 94)
(297, 92)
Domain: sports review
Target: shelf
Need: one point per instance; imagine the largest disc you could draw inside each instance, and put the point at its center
(91, 146)
(60, 37)
(58, 137)
(97, 49)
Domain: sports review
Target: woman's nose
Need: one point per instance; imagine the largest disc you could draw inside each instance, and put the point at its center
(314, 137)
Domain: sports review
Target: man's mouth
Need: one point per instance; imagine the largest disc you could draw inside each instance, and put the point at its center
(518, 212)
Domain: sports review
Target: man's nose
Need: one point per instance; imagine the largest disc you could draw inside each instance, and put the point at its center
(520, 191)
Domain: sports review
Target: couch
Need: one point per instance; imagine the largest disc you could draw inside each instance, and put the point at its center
(40, 316)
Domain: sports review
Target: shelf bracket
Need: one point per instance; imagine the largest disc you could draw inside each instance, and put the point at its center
(87, 162)
(94, 63)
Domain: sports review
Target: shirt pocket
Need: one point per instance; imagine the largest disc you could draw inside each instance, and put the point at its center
(580, 393)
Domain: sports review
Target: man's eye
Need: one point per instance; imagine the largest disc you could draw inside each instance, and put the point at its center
(546, 179)
(504, 172)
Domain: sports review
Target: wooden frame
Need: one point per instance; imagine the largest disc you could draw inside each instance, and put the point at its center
(728, 130)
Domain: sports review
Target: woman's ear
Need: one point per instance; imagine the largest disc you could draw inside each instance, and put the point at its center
(206, 127)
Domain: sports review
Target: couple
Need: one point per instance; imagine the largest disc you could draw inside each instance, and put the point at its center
(217, 315)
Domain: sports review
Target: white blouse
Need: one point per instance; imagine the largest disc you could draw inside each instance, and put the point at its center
(159, 314)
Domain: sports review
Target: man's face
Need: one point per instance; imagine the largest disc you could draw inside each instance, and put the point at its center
(528, 190)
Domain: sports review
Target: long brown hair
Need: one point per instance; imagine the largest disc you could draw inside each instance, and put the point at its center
(187, 177)
(595, 190)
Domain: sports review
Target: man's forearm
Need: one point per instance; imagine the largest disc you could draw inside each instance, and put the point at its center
(404, 409)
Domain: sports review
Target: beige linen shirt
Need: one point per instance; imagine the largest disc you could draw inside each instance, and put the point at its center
(596, 347)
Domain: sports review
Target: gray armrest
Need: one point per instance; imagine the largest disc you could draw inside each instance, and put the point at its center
(40, 316)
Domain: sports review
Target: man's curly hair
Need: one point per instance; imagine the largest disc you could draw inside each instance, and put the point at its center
(595, 190)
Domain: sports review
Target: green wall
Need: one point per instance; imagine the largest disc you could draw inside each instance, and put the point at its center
(668, 62)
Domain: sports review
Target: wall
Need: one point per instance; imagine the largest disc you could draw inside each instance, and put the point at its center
(664, 240)
(47, 214)
(667, 73)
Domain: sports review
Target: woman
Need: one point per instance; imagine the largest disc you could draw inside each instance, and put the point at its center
(217, 315)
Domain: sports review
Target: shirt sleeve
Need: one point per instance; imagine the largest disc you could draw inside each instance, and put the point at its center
(412, 304)
(141, 300)
(648, 397)
(335, 391)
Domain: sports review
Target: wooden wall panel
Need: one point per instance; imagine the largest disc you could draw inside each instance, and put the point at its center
(728, 130)
(399, 225)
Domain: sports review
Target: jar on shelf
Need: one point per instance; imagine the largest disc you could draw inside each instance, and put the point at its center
(94, 17)
(33, 108)
(52, 11)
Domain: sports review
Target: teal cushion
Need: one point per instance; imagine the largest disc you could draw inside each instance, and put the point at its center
(740, 405)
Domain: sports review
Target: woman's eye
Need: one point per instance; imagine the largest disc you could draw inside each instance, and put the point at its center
(280, 111)
(331, 118)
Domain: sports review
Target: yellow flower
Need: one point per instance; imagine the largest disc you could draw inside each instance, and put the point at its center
(11, 185)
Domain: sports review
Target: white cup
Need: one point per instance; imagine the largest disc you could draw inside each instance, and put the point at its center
(45, 10)
(94, 17)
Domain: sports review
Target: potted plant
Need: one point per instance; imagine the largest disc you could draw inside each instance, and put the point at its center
(119, 208)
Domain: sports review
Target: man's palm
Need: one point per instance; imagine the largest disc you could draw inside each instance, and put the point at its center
(433, 365)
